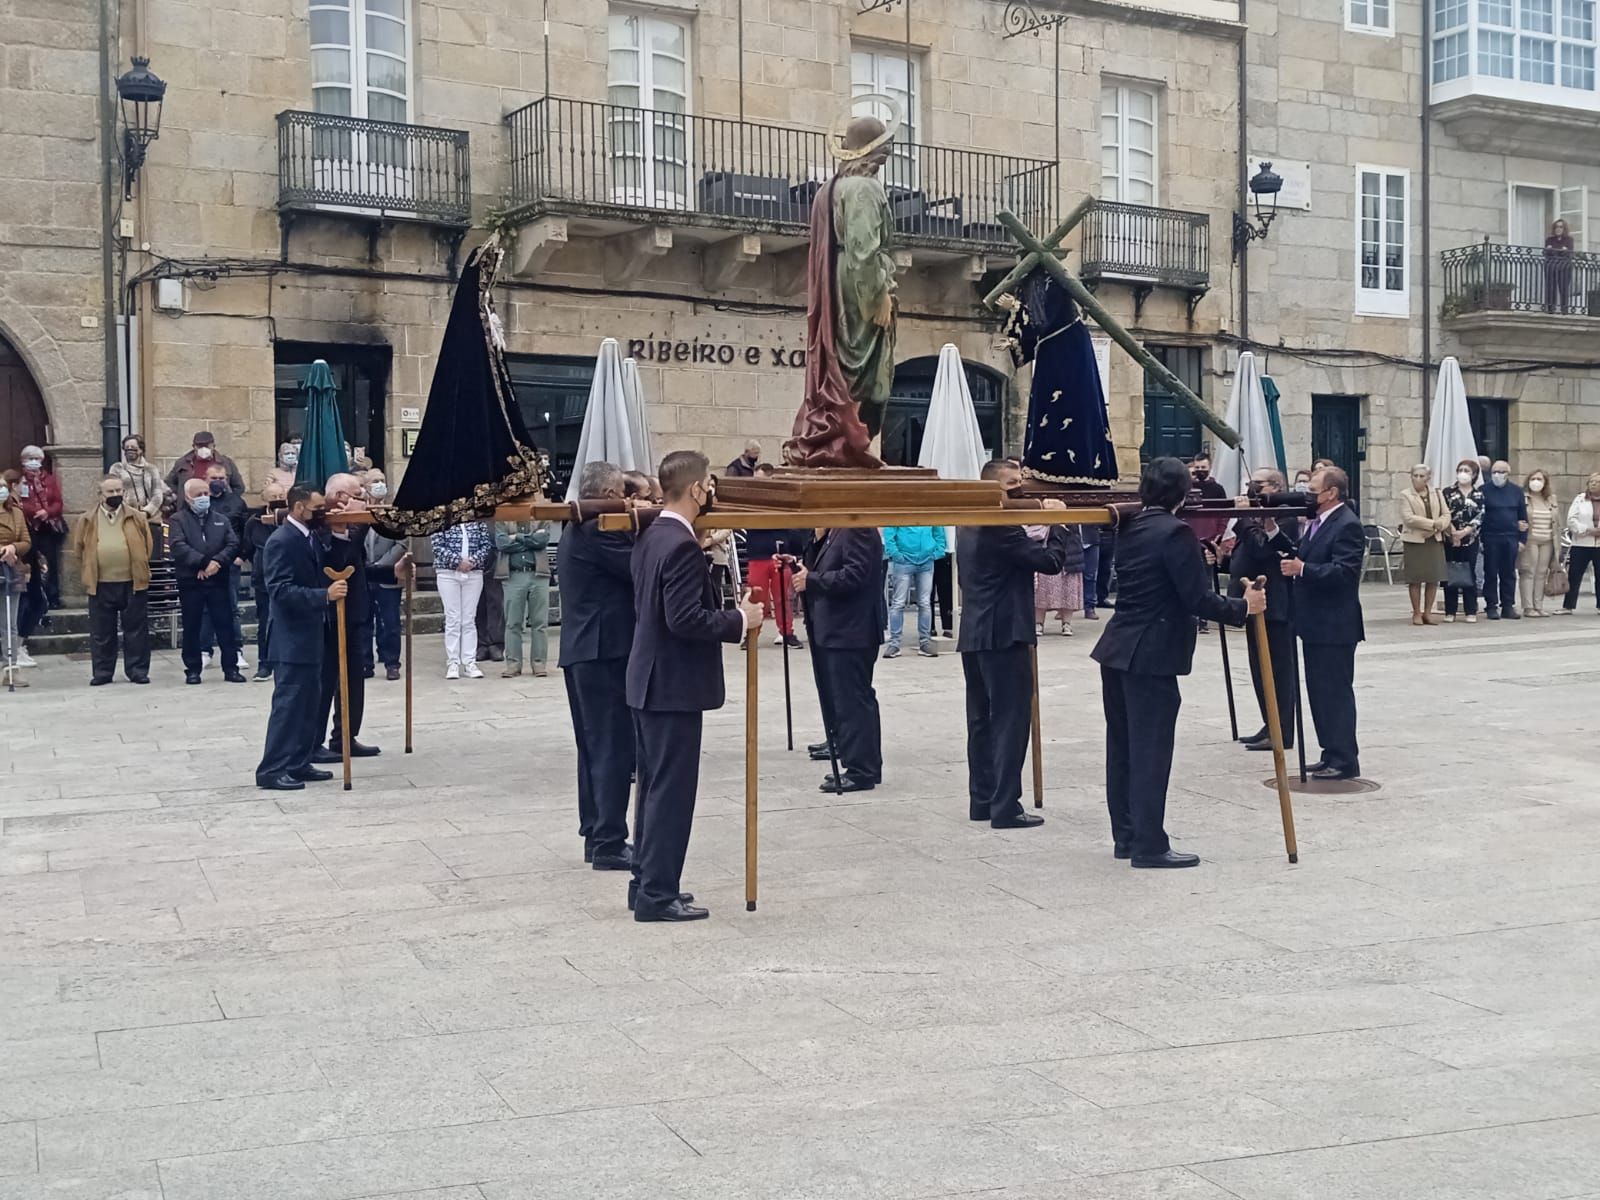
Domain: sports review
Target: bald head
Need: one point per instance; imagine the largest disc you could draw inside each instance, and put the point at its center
(342, 486)
(195, 487)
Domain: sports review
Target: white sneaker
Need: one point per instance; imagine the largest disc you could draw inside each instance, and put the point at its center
(778, 641)
(453, 671)
(242, 664)
(24, 659)
(207, 655)
(472, 672)
(1066, 630)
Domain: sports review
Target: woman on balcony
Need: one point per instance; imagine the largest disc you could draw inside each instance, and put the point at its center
(1557, 268)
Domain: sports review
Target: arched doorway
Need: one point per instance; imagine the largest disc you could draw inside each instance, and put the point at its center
(907, 412)
(23, 421)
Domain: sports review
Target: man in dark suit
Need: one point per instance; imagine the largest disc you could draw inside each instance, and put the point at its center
(1327, 618)
(998, 564)
(674, 676)
(1262, 544)
(596, 576)
(345, 548)
(203, 546)
(841, 585)
(292, 572)
(1163, 585)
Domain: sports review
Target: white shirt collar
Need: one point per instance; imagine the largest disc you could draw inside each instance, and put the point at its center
(304, 532)
(680, 519)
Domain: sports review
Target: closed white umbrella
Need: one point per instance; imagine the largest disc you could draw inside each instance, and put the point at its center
(1247, 412)
(638, 422)
(951, 441)
(606, 435)
(1449, 427)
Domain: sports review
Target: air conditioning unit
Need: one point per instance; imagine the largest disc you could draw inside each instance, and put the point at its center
(172, 296)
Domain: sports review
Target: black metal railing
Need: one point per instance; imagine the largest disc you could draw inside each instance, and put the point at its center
(1490, 278)
(412, 171)
(580, 153)
(1134, 241)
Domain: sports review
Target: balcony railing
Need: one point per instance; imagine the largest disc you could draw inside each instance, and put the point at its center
(1154, 245)
(588, 157)
(1490, 278)
(377, 168)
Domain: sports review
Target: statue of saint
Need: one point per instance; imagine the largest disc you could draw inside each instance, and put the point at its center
(850, 310)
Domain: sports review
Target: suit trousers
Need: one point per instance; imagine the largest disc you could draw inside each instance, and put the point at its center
(999, 720)
(944, 583)
(602, 728)
(1330, 689)
(1141, 724)
(110, 603)
(1280, 645)
(208, 636)
(527, 603)
(292, 728)
(1500, 572)
(669, 777)
(263, 627)
(208, 598)
(328, 699)
(850, 708)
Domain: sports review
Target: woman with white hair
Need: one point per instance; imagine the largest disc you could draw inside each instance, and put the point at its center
(283, 472)
(41, 503)
(1424, 517)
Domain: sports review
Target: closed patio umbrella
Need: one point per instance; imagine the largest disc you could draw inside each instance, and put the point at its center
(1449, 427)
(1247, 412)
(607, 434)
(322, 448)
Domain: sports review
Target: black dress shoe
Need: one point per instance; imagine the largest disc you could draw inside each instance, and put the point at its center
(850, 783)
(138, 679)
(323, 755)
(1259, 735)
(1313, 768)
(633, 896)
(1512, 614)
(1493, 614)
(367, 672)
(391, 673)
(99, 682)
(1121, 850)
(676, 911)
(819, 751)
(612, 862)
(1170, 859)
(280, 783)
(192, 677)
(1266, 745)
(357, 750)
(311, 775)
(1332, 773)
(1019, 821)
(234, 677)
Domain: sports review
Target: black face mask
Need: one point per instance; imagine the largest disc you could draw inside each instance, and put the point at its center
(709, 502)
(217, 487)
(1201, 476)
(317, 518)
(113, 502)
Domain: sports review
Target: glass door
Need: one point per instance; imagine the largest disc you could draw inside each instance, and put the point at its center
(648, 122)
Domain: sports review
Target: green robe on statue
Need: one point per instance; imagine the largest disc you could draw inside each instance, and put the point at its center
(865, 269)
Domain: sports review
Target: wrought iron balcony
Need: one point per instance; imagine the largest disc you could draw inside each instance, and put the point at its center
(1486, 278)
(589, 159)
(378, 169)
(1148, 247)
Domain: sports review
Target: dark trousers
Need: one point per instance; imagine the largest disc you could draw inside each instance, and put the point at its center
(111, 604)
(1280, 645)
(47, 547)
(32, 605)
(602, 727)
(1454, 596)
(208, 635)
(1582, 559)
(1500, 572)
(292, 728)
(1330, 690)
(999, 719)
(492, 619)
(1105, 580)
(850, 708)
(1091, 577)
(385, 626)
(1141, 711)
(944, 609)
(201, 599)
(263, 626)
(328, 699)
(669, 777)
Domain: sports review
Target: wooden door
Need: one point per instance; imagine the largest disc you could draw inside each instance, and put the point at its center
(23, 421)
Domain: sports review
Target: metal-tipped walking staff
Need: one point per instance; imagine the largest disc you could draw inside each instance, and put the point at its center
(784, 625)
(1275, 729)
(344, 671)
(752, 773)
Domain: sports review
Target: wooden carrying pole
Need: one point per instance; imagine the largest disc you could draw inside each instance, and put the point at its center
(1275, 730)
(344, 672)
(1038, 735)
(752, 661)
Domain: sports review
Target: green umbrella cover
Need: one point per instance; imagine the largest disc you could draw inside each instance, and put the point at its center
(322, 448)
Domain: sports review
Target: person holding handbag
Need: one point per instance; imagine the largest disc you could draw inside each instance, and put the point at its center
(1542, 551)
(1424, 518)
(1583, 523)
(1465, 502)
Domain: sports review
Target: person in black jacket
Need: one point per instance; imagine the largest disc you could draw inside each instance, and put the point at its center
(1262, 544)
(229, 504)
(203, 546)
(343, 548)
(258, 529)
(998, 564)
(841, 585)
(674, 676)
(1163, 585)
(1327, 618)
(595, 570)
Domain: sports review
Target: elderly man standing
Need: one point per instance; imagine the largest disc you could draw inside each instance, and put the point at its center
(1505, 529)
(201, 455)
(345, 547)
(203, 546)
(745, 465)
(112, 544)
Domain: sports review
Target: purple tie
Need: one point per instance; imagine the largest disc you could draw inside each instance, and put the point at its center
(1312, 532)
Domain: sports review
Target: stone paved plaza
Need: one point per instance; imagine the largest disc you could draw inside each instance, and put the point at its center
(416, 988)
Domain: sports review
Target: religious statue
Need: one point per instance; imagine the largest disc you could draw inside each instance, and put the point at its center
(850, 311)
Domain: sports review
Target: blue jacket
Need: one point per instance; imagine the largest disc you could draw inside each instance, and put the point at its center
(914, 545)
(1504, 505)
(292, 573)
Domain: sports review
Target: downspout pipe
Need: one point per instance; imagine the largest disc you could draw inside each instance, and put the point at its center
(1244, 165)
(111, 407)
(1426, 58)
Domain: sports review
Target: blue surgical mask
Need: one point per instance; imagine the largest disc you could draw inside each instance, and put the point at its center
(291, 459)
(201, 505)
(5, 494)
(379, 490)
(32, 464)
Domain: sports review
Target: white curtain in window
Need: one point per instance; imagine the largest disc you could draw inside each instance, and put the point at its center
(1128, 155)
(649, 127)
(361, 58)
(890, 74)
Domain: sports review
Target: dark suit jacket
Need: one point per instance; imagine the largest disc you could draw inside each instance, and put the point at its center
(844, 601)
(596, 574)
(997, 566)
(1327, 596)
(340, 553)
(676, 661)
(292, 569)
(1163, 584)
(196, 541)
(1257, 554)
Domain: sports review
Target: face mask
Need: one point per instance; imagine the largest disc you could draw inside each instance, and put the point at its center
(1300, 485)
(113, 502)
(706, 504)
(5, 494)
(22, 491)
(317, 517)
(201, 505)
(379, 490)
(1201, 476)
(1500, 478)
(218, 487)
(202, 452)
(291, 459)
(32, 464)
(1463, 477)
(1536, 486)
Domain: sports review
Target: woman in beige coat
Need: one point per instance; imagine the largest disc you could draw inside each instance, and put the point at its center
(1424, 516)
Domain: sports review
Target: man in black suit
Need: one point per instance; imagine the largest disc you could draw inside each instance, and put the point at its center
(1163, 585)
(841, 585)
(674, 676)
(998, 564)
(1327, 617)
(203, 546)
(1262, 544)
(292, 573)
(345, 548)
(596, 576)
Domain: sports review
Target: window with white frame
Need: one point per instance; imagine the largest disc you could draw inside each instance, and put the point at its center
(648, 121)
(361, 58)
(891, 73)
(1548, 43)
(1129, 158)
(1383, 273)
(1369, 16)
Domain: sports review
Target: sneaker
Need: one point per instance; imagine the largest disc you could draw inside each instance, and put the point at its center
(1450, 620)
(471, 671)
(453, 671)
(1038, 629)
(241, 664)
(778, 641)
(263, 676)
(1091, 615)
(24, 659)
(794, 643)
(891, 651)
(1470, 620)
(511, 671)
(1563, 611)
(207, 655)
(1066, 629)
(391, 673)
(540, 670)
(927, 650)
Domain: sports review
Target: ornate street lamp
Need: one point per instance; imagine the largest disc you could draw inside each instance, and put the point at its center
(140, 93)
(1265, 185)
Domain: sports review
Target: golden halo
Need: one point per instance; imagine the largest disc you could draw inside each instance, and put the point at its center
(891, 126)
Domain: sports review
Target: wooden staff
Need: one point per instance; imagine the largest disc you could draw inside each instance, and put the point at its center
(411, 586)
(1038, 736)
(344, 671)
(752, 660)
(1275, 730)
